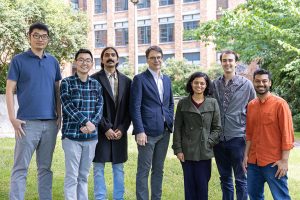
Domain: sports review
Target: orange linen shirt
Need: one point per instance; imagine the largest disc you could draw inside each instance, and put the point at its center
(269, 127)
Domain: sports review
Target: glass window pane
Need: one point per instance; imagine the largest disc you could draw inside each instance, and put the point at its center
(165, 2)
(97, 63)
(143, 4)
(121, 5)
(166, 32)
(100, 6)
(167, 56)
(142, 60)
(100, 38)
(121, 35)
(193, 57)
(144, 35)
(186, 1)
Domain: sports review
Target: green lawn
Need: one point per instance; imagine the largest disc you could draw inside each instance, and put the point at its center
(297, 136)
(173, 180)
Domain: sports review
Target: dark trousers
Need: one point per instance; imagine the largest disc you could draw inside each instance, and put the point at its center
(151, 157)
(196, 177)
(229, 157)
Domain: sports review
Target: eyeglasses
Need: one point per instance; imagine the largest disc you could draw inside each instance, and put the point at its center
(87, 61)
(38, 36)
(155, 58)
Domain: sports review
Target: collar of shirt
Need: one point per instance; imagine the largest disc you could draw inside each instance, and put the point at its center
(77, 78)
(235, 79)
(30, 53)
(108, 74)
(266, 98)
(155, 74)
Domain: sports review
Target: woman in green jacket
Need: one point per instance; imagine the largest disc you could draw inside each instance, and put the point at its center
(196, 130)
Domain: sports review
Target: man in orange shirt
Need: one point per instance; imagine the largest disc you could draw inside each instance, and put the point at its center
(270, 137)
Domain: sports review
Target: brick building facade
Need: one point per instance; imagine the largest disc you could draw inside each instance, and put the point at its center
(160, 22)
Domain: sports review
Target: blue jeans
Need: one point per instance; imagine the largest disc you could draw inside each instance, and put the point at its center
(151, 156)
(99, 181)
(257, 176)
(229, 156)
(40, 136)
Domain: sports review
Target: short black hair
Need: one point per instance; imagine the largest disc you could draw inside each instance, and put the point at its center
(38, 25)
(102, 55)
(83, 51)
(236, 56)
(261, 72)
(195, 75)
(154, 48)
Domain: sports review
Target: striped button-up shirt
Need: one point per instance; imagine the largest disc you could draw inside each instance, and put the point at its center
(81, 102)
(113, 81)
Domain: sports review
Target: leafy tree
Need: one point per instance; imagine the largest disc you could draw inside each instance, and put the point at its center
(68, 29)
(267, 31)
(179, 72)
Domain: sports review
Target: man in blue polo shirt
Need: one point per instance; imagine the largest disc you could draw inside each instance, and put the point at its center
(35, 76)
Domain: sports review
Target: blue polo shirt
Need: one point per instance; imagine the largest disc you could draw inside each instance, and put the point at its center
(35, 79)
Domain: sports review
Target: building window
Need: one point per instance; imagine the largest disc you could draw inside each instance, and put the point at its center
(121, 33)
(165, 2)
(142, 60)
(123, 61)
(100, 38)
(190, 25)
(144, 31)
(187, 1)
(193, 58)
(144, 34)
(75, 4)
(100, 6)
(190, 22)
(166, 29)
(121, 5)
(143, 4)
(97, 63)
(121, 36)
(100, 35)
(222, 4)
(169, 56)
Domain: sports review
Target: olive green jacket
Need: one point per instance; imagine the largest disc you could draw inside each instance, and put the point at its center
(196, 131)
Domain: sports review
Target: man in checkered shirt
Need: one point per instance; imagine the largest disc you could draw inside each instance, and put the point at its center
(82, 104)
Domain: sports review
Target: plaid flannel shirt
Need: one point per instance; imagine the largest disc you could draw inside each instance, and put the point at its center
(81, 102)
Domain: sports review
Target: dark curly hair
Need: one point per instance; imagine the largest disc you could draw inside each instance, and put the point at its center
(195, 75)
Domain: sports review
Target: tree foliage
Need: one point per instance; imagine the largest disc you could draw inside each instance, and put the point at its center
(68, 29)
(267, 31)
(179, 71)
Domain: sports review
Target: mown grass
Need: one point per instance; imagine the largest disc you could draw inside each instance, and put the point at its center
(297, 136)
(173, 180)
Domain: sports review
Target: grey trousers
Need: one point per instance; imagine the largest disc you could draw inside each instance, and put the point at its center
(40, 137)
(151, 156)
(79, 156)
